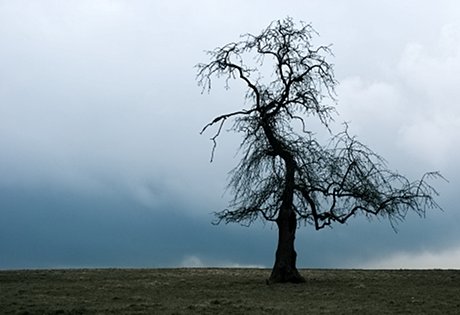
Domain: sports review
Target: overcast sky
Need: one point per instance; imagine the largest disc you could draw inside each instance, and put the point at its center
(102, 164)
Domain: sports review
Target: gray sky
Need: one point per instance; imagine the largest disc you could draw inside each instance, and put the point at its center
(102, 164)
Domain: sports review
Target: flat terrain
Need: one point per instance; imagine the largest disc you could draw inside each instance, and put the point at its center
(228, 291)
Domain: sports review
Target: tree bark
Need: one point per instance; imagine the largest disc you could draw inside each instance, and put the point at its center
(284, 269)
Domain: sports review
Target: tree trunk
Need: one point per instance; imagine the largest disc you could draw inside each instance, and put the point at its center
(285, 269)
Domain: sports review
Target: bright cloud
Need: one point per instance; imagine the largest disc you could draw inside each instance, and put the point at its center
(411, 106)
(194, 261)
(443, 259)
(431, 74)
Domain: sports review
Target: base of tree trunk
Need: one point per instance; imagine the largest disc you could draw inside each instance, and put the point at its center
(285, 276)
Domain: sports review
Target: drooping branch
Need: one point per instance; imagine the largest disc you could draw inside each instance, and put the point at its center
(359, 182)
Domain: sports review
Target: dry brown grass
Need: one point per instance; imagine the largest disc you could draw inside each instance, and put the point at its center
(228, 291)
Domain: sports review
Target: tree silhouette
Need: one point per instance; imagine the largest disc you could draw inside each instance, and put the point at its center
(286, 175)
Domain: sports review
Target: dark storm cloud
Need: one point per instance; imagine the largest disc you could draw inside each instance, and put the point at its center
(73, 230)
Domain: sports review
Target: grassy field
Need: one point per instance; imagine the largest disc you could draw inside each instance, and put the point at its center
(228, 291)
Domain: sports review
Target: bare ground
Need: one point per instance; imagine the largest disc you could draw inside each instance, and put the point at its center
(228, 291)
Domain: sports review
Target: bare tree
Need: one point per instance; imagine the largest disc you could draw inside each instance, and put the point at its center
(285, 175)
